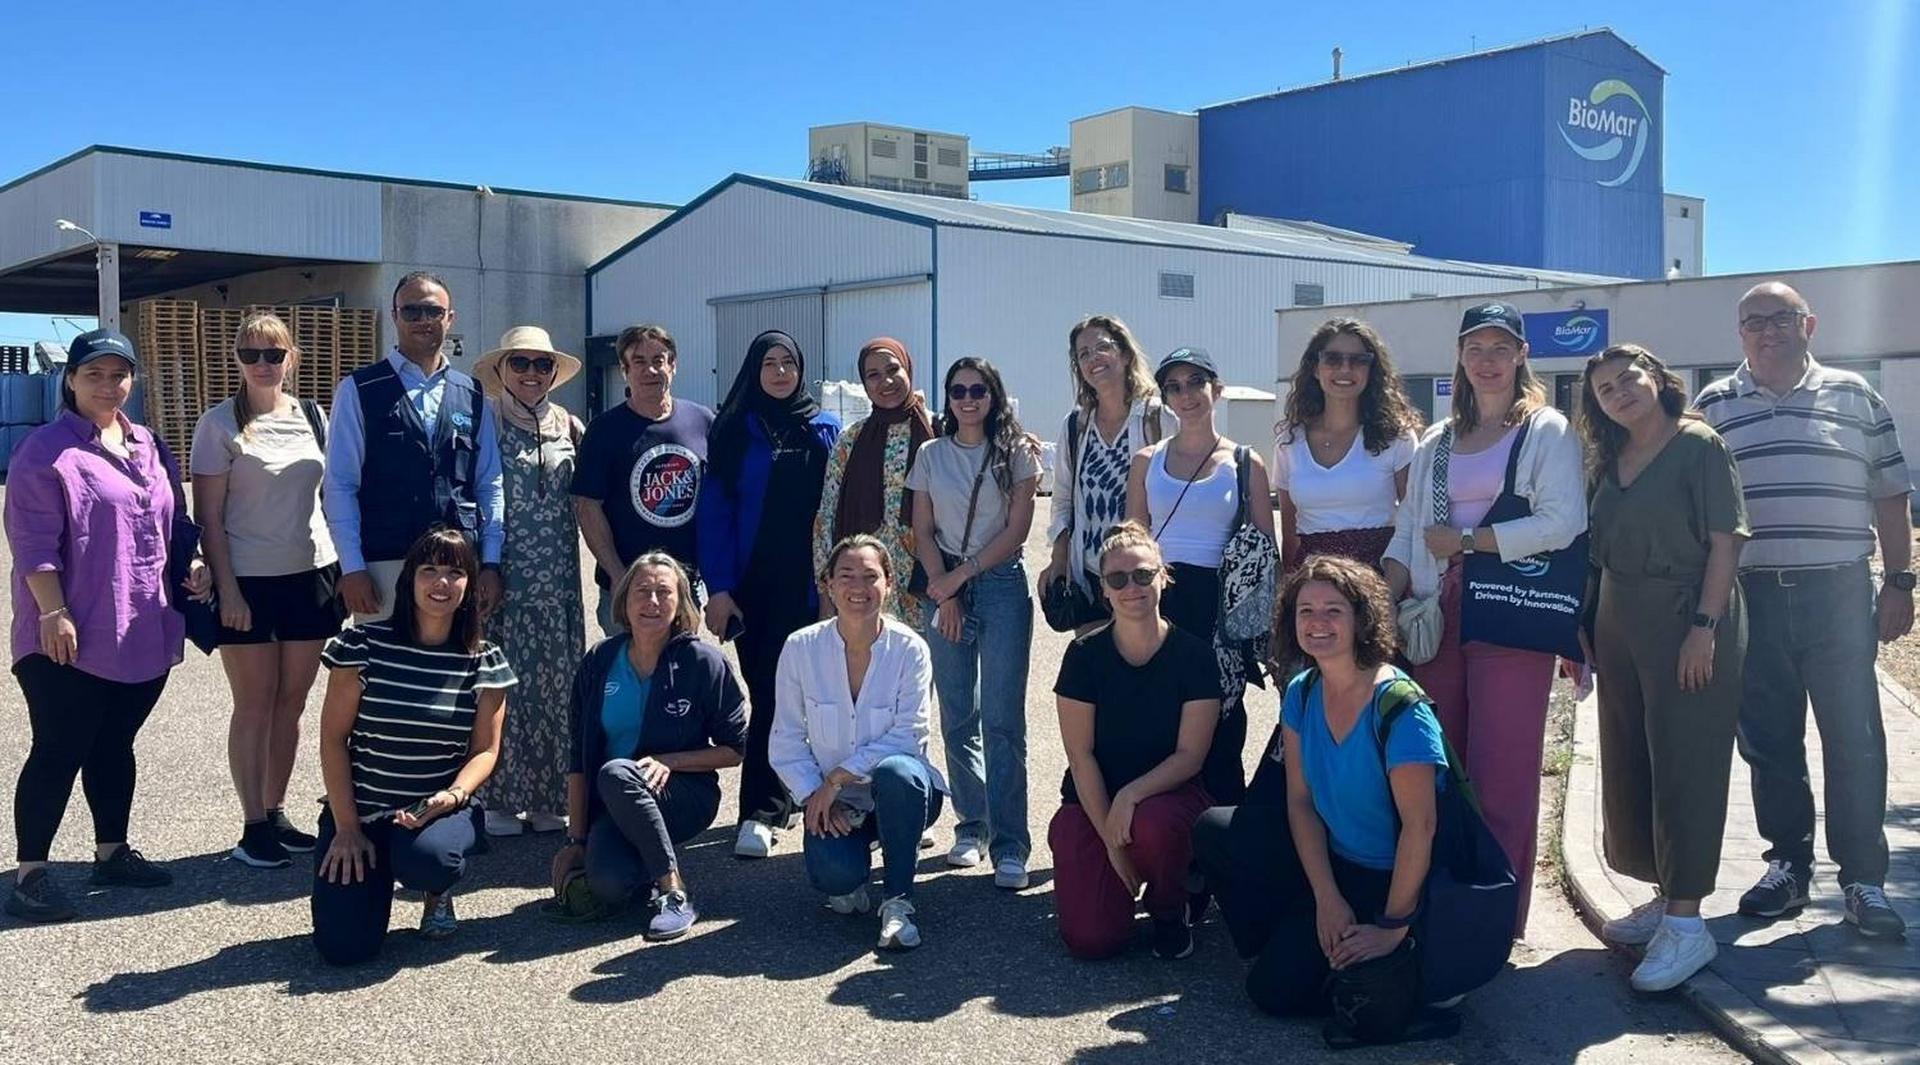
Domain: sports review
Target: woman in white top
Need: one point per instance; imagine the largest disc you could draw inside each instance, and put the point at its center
(1116, 412)
(1340, 459)
(258, 460)
(1186, 489)
(1491, 700)
(849, 740)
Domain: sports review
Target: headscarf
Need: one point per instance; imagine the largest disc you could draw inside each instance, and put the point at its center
(863, 490)
(727, 445)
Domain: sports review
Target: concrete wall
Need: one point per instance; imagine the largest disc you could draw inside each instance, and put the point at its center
(1686, 235)
(1148, 141)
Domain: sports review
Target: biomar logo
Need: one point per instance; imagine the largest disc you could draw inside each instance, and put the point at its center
(1616, 123)
(1576, 333)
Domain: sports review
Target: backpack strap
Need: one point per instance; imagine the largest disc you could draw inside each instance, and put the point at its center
(315, 422)
(1073, 447)
(1242, 512)
(1402, 695)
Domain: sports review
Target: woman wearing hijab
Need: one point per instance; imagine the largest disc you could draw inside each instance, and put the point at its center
(766, 462)
(866, 482)
(541, 625)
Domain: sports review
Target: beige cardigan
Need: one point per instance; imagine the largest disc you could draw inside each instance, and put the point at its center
(1550, 476)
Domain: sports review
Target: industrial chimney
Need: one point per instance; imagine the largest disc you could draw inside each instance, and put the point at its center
(1336, 64)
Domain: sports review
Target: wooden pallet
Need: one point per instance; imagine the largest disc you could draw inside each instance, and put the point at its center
(219, 372)
(169, 353)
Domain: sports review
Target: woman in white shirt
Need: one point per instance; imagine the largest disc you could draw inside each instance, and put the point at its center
(1340, 459)
(1116, 412)
(1186, 489)
(1491, 700)
(850, 727)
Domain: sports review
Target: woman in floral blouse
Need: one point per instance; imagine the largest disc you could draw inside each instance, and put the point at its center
(866, 489)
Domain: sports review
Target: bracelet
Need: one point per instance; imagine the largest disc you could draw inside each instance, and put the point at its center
(459, 795)
(54, 613)
(572, 841)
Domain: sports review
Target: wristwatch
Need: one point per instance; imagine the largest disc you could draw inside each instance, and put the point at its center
(1466, 541)
(1900, 579)
(1390, 923)
(1701, 621)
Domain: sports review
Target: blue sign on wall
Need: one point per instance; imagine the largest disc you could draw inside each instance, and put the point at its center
(156, 220)
(1567, 333)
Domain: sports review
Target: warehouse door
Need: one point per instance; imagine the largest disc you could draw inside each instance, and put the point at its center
(903, 311)
(737, 322)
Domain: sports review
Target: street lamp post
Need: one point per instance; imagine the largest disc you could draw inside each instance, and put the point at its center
(107, 269)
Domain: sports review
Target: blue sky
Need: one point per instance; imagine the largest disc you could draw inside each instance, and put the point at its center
(1786, 117)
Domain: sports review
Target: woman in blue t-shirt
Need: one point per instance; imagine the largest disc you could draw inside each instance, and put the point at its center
(656, 715)
(1360, 805)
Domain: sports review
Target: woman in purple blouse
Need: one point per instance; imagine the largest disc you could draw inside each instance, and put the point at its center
(90, 512)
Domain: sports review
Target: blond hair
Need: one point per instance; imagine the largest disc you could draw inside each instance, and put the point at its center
(686, 615)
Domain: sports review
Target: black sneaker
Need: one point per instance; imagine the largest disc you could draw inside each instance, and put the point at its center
(35, 897)
(129, 868)
(261, 848)
(1869, 911)
(1781, 890)
(291, 838)
(1172, 938)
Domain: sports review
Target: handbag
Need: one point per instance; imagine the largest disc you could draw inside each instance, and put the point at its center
(1420, 622)
(183, 543)
(1247, 567)
(1529, 604)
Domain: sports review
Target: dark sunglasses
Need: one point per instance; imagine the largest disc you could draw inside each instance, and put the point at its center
(959, 392)
(1118, 578)
(274, 356)
(414, 312)
(1356, 360)
(542, 364)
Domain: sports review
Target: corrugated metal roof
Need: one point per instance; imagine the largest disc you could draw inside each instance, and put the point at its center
(1279, 243)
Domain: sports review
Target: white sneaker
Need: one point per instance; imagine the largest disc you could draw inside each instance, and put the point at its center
(897, 931)
(546, 822)
(1011, 874)
(853, 902)
(966, 853)
(1636, 929)
(501, 823)
(755, 840)
(1673, 956)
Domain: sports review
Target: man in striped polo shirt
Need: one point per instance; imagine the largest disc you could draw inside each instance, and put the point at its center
(1823, 476)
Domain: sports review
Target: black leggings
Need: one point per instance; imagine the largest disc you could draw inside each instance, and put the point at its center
(82, 725)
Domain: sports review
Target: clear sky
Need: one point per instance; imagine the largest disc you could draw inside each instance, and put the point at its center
(1785, 116)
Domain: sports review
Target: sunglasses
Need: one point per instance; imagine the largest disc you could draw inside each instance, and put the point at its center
(959, 392)
(1118, 578)
(274, 356)
(1355, 360)
(1197, 382)
(414, 312)
(541, 364)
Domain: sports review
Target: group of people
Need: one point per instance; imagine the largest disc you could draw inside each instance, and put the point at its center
(864, 572)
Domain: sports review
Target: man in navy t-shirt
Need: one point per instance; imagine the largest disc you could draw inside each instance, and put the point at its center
(638, 471)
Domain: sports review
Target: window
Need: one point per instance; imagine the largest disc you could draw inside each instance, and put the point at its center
(1116, 176)
(1177, 179)
(920, 153)
(1867, 368)
(1309, 294)
(886, 150)
(1685, 211)
(1175, 286)
(948, 157)
(1422, 295)
(1085, 181)
(1707, 375)
(920, 170)
(1420, 391)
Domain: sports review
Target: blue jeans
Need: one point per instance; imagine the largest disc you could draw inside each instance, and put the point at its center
(350, 920)
(1815, 636)
(983, 710)
(905, 804)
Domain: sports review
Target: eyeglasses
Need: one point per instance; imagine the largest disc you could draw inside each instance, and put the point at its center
(1099, 347)
(274, 356)
(1350, 360)
(1142, 576)
(415, 312)
(541, 364)
(960, 392)
(1779, 321)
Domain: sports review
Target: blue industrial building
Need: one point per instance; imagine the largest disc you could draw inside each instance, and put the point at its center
(1545, 155)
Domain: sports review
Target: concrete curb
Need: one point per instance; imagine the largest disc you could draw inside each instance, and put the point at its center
(1598, 894)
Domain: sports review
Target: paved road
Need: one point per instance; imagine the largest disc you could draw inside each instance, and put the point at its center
(218, 967)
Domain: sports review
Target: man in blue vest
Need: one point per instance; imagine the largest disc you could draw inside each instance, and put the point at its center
(413, 445)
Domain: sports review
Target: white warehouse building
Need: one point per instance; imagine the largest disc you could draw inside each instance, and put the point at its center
(835, 266)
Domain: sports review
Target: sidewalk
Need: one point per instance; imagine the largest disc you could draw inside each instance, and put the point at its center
(1806, 988)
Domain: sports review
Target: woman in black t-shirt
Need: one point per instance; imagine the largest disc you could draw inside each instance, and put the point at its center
(1138, 700)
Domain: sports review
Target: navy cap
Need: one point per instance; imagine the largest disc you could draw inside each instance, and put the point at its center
(99, 344)
(1184, 356)
(1493, 316)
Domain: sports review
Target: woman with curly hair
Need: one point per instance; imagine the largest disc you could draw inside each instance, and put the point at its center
(1669, 633)
(1342, 451)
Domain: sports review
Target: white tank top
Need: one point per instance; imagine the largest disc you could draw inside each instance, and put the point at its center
(1198, 530)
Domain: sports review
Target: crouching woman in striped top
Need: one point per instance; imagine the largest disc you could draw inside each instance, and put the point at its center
(410, 729)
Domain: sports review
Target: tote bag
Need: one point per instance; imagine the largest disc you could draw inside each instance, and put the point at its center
(1529, 604)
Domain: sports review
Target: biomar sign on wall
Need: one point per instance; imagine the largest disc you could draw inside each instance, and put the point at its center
(1609, 126)
(1577, 332)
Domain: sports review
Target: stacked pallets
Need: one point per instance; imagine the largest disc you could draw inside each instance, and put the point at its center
(169, 342)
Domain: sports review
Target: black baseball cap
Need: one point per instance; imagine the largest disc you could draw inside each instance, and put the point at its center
(1184, 356)
(1494, 315)
(99, 344)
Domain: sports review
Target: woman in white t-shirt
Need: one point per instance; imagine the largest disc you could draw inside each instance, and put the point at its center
(258, 460)
(1341, 453)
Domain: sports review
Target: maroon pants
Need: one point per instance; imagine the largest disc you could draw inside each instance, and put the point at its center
(1095, 910)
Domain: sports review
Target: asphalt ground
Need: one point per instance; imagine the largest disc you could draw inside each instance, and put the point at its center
(218, 967)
